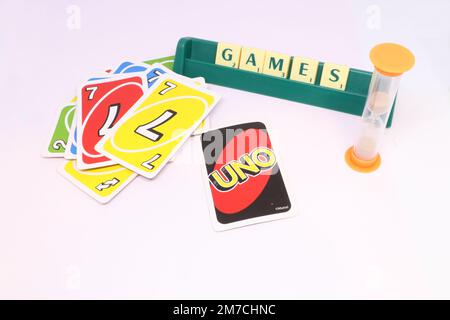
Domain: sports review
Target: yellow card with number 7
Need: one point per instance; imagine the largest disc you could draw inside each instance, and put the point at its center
(150, 133)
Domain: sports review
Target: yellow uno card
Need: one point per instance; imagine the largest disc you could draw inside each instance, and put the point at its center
(157, 125)
(102, 184)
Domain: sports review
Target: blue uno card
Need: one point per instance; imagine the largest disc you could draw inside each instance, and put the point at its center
(153, 71)
(71, 150)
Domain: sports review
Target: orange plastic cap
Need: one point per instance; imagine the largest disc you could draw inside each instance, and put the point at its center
(391, 59)
(357, 164)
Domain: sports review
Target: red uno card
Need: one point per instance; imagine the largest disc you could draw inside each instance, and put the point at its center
(102, 104)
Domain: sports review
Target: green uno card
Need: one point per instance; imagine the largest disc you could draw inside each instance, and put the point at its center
(59, 135)
(165, 61)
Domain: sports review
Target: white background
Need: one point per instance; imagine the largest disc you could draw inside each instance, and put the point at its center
(380, 235)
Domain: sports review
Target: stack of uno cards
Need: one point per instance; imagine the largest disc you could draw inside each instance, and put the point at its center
(128, 121)
(244, 180)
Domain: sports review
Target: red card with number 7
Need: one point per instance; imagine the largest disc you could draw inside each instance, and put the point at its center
(102, 104)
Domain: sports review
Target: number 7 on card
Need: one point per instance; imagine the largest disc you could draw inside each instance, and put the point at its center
(157, 125)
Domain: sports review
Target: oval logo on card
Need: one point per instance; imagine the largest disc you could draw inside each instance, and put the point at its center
(159, 124)
(242, 171)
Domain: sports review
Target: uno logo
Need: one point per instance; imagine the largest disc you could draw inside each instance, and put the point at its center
(238, 172)
(238, 183)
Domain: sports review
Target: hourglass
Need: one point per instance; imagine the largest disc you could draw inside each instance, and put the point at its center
(390, 61)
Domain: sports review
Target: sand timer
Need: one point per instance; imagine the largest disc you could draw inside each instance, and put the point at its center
(390, 61)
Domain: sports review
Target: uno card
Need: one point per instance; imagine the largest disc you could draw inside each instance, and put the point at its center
(102, 184)
(101, 104)
(245, 185)
(127, 67)
(153, 73)
(58, 140)
(158, 69)
(165, 61)
(130, 67)
(71, 149)
(156, 127)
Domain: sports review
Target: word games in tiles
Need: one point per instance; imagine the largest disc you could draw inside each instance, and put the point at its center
(282, 65)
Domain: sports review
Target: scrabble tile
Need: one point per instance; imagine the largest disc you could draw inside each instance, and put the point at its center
(304, 69)
(252, 59)
(334, 76)
(276, 64)
(228, 54)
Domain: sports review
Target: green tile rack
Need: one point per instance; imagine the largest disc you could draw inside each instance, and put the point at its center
(195, 58)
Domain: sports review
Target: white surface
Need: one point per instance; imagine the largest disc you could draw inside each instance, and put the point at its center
(383, 235)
